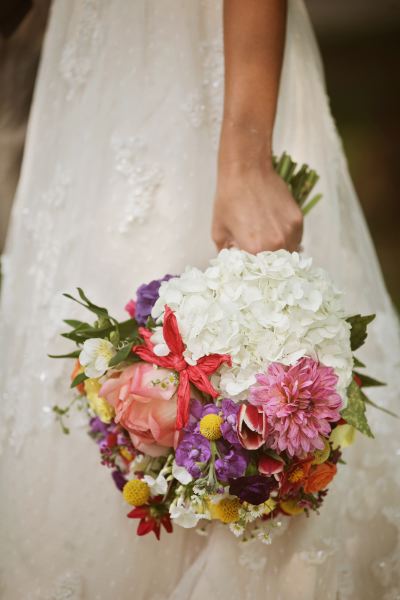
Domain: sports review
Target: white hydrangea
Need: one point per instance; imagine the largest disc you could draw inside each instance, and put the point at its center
(274, 306)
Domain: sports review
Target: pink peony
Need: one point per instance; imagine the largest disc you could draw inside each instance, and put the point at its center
(300, 402)
(144, 399)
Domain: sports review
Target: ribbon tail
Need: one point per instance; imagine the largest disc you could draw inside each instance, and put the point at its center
(148, 355)
(182, 415)
(171, 333)
(209, 364)
(201, 381)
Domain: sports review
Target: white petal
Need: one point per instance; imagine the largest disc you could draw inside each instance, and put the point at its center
(181, 474)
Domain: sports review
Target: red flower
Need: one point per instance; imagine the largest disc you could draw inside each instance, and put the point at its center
(270, 466)
(150, 520)
(252, 426)
(295, 477)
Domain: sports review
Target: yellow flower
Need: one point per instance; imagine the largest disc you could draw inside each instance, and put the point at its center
(320, 456)
(136, 492)
(99, 405)
(342, 436)
(297, 475)
(291, 507)
(126, 454)
(226, 510)
(210, 427)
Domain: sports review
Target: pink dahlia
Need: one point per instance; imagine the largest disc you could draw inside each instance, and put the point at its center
(300, 402)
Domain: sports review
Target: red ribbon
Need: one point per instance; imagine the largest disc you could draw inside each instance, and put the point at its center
(196, 374)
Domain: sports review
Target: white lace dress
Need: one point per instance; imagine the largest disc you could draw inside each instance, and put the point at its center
(116, 189)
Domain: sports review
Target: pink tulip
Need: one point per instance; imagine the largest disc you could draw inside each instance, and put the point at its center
(252, 426)
(270, 466)
(144, 398)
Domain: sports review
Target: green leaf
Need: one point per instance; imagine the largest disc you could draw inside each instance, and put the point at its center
(300, 181)
(128, 329)
(121, 355)
(74, 354)
(354, 413)
(359, 326)
(100, 311)
(74, 323)
(80, 378)
(367, 381)
(306, 209)
(357, 363)
(381, 408)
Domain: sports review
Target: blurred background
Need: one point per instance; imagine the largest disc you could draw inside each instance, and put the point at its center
(360, 45)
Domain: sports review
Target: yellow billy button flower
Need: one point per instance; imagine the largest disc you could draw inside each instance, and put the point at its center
(210, 427)
(136, 492)
(291, 507)
(342, 436)
(226, 510)
(320, 456)
(99, 405)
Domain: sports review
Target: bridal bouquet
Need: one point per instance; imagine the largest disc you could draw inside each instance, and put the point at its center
(229, 394)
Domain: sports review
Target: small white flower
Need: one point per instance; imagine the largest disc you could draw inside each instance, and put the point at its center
(95, 356)
(264, 536)
(139, 463)
(236, 529)
(183, 515)
(181, 474)
(158, 487)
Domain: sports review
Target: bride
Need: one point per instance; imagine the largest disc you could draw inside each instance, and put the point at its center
(116, 189)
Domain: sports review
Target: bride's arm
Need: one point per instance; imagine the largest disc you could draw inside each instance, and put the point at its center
(253, 207)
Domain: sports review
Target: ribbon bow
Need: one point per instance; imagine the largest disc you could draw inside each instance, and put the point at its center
(196, 374)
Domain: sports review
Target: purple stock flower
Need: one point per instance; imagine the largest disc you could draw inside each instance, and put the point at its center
(146, 297)
(255, 489)
(231, 464)
(230, 412)
(98, 427)
(118, 479)
(193, 449)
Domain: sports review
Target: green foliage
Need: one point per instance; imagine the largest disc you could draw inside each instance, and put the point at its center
(359, 326)
(357, 363)
(300, 182)
(80, 378)
(74, 354)
(124, 354)
(354, 413)
(367, 381)
(371, 403)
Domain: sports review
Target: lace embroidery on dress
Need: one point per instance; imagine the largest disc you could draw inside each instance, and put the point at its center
(204, 106)
(140, 179)
(46, 251)
(39, 223)
(67, 587)
(82, 46)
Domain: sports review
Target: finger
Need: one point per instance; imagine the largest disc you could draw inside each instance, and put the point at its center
(221, 237)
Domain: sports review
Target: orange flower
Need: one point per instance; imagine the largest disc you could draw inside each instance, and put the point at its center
(77, 370)
(319, 478)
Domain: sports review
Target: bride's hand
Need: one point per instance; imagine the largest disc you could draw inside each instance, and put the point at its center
(254, 210)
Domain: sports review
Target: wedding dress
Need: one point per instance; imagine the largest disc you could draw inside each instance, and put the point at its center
(116, 189)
